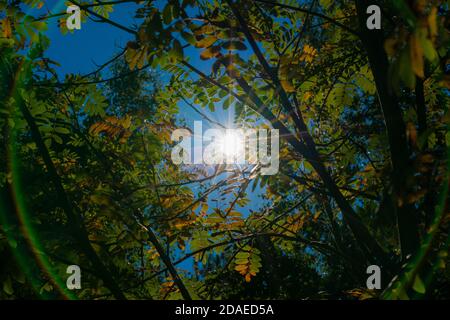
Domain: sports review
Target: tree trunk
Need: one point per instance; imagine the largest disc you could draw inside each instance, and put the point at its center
(406, 215)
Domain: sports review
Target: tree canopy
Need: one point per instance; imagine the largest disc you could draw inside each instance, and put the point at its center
(363, 117)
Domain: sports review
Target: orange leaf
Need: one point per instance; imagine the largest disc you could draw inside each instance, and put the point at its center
(7, 30)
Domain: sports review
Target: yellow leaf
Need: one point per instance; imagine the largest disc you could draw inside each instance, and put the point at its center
(411, 133)
(426, 159)
(181, 224)
(7, 30)
(240, 267)
(445, 81)
(390, 46)
(233, 72)
(209, 53)
(205, 29)
(130, 56)
(126, 122)
(308, 54)
(195, 206)
(205, 42)
(204, 208)
(316, 216)
(287, 86)
(416, 53)
(416, 196)
(432, 22)
(307, 95)
(234, 214)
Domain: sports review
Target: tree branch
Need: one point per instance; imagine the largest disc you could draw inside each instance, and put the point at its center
(331, 20)
(166, 259)
(115, 24)
(74, 219)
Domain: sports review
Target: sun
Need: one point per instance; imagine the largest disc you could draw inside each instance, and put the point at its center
(231, 144)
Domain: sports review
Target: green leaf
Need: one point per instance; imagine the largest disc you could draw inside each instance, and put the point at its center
(244, 255)
(226, 103)
(19, 276)
(12, 243)
(62, 130)
(189, 37)
(46, 287)
(406, 73)
(428, 50)
(365, 80)
(177, 50)
(104, 10)
(418, 285)
(405, 11)
(167, 14)
(7, 286)
(57, 139)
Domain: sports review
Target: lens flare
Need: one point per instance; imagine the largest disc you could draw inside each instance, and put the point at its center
(231, 144)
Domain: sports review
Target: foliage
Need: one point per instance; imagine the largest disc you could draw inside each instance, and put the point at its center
(363, 179)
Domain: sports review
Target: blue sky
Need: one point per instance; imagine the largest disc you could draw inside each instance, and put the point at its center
(83, 50)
